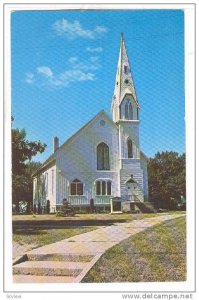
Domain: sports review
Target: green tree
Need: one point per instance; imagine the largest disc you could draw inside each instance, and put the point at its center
(167, 179)
(22, 167)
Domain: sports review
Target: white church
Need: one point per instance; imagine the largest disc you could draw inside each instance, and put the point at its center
(103, 160)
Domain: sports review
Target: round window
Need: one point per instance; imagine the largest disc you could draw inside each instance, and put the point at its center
(102, 122)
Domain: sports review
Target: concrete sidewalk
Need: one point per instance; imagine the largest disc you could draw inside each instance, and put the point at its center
(69, 260)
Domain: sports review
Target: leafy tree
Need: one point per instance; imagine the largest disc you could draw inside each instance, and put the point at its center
(22, 167)
(167, 181)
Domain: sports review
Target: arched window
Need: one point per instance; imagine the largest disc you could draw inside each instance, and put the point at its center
(130, 148)
(103, 157)
(130, 111)
(126, 111)
(76, 187)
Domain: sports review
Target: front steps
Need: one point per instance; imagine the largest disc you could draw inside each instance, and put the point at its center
(55, 267)
(49, 268)
(60, 257)
(42, 279)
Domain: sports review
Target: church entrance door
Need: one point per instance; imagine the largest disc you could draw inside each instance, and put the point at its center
(132, 190)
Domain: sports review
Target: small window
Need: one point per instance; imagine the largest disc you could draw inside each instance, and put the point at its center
(73, 189)
(102, 123)
(126, 111)
(76, 188)
(109, 188)
(98, 188)
(103, 188)
(130, 112)
(125, 69)
(130, 148)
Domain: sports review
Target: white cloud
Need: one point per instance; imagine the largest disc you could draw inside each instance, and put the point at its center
(97, 49)
(73, 59)
(29, 78)
(75, 75)
(77, 71)
(45, 71)
(86, 66)
(74, 30)
(62, 79)
(100, 29)
(90, 65)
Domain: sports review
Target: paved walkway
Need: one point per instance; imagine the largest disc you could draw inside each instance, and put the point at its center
(69, 260)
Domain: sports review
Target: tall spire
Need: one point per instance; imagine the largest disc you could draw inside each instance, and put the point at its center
(124, 80)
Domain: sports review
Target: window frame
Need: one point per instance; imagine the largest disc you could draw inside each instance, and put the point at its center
(130, 148)
(126, 111)
(130, 111)
(103, 157)
(74, 186)
(104, 187)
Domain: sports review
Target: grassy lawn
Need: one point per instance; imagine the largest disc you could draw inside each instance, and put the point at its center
(157, 254)
(41, 237)
(83, 219)
(45, 229)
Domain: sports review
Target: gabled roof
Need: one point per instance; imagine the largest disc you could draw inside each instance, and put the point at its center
(131, 180)
(128, 92)
(52, 158)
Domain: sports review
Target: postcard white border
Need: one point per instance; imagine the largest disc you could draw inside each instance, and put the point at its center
(189, 285)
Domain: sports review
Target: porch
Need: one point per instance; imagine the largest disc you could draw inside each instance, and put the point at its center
(84, 201)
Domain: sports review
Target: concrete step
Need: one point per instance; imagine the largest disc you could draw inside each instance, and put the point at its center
(49, 268)
(42, 279)
(60, 257)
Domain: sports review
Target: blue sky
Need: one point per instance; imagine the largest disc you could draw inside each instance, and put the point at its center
(64, 65)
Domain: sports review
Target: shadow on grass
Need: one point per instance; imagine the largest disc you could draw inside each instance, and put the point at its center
(29, 231)
(51, 224)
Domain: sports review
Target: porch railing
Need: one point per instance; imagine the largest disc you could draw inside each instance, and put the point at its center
(102, 200)
(82, 200)
(78, 200)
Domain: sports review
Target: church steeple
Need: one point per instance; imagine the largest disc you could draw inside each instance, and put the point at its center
(124, 86)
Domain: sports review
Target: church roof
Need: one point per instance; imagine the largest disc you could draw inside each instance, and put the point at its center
(52, 158)
(131, 180)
